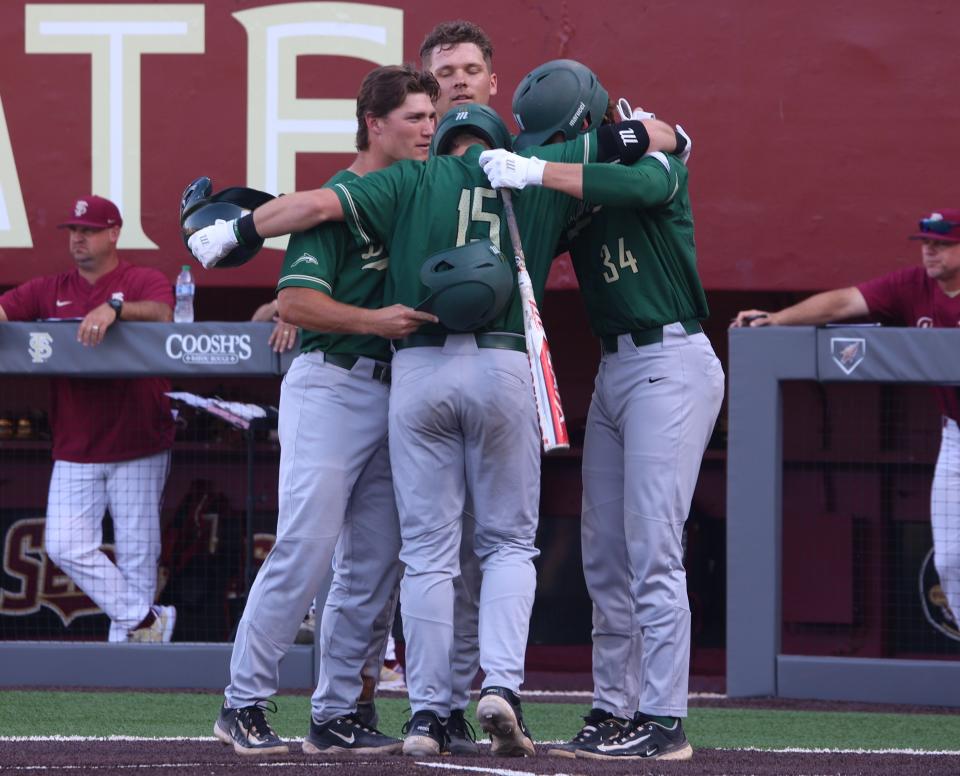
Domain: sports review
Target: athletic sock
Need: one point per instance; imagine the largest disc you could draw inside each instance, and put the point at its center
(667, 722)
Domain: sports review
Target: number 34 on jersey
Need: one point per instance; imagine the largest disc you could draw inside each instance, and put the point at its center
(623, 260)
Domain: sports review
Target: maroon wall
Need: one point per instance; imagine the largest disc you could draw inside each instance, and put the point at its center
(821, 130)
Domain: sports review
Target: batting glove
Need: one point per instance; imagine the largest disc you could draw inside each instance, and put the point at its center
(511, 171)
(685, 154)
(626, 112)
(212, 243)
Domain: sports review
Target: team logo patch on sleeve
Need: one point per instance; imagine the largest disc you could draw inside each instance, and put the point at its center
(306, 258)
(848, 352)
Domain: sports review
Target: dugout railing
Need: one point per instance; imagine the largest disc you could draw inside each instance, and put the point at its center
(762, 362)
(182, 351)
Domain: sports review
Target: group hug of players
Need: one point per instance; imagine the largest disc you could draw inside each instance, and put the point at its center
(410, 448)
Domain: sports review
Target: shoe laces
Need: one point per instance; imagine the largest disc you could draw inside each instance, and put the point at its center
(458, 726)
(354, 721)
(254, 719)
(596, 719)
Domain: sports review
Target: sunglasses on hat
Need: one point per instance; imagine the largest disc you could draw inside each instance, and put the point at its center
(937, 225)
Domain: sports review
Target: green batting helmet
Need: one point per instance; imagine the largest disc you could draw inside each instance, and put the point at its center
(200, 207)
(479, 120)
(470, 285)
(559, 96)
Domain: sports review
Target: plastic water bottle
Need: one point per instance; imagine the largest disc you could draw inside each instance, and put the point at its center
(183, 312)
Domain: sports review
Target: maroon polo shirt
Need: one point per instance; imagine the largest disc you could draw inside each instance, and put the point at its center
(102, 420)
(907, 297)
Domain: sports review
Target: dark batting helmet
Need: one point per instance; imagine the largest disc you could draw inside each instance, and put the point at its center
(199, 207)
(559, 96)
(470, 285)
(479, 120)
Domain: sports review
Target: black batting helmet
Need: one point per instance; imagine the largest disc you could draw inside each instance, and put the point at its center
(199, 207)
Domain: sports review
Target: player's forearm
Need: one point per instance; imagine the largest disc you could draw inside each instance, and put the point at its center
(297, 212)
(147, 311)
(315, 311)
(837, 305)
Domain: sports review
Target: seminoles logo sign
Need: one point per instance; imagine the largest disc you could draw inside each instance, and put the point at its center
(209, 348)
(41, 582)
(934, 601)
(40, 346)
(848, 352)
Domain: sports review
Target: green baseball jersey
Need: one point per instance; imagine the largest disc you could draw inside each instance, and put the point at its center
(328, 259)
(633, 248)
(418, 208)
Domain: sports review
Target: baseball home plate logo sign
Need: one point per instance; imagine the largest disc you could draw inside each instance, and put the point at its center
(848, 352)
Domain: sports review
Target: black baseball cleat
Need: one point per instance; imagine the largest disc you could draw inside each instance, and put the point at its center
(500, 715)
(600, 727)
(424, 735)
(248, 731)
(644, 740)
(461, 738)
(348, 735)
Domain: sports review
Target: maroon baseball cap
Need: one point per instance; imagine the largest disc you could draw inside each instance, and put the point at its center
(95, 212)
(940, 225)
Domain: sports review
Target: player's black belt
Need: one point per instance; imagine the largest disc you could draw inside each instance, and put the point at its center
(381, 372)
(608, 343)
(486, 339)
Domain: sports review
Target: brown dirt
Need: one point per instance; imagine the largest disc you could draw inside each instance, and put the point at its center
(211, 759)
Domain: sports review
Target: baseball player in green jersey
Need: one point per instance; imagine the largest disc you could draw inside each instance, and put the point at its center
(460, 56)
(461, 415)
(656, 399)
(335, 486)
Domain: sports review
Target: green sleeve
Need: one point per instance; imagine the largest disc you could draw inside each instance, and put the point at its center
(371, 204)
(313, 258)
(581, 150)
(652, 181)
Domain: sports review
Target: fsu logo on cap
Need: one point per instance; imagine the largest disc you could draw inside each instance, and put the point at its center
(80, 208)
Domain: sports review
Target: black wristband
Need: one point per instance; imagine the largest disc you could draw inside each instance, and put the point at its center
(625, 141)
(246, 231)
(681, 142)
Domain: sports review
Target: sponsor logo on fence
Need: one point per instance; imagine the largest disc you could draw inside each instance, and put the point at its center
(209, 348)
(40, 346)
(848, 352)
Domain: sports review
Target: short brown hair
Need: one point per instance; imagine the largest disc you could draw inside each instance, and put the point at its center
(384, 89)
(449, 34)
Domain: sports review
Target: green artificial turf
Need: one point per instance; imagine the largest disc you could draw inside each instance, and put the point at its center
(165, 714)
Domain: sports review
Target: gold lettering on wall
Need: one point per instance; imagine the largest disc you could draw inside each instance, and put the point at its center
(14, 230)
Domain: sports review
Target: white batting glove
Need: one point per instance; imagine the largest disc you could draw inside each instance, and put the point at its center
(511, 171)
(212, 243)
(685, 156)
(626, 112)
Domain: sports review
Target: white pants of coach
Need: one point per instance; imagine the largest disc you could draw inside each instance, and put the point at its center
(80, 493)
(334, 470)
(462, 419)
(650, 418)
(945, 515)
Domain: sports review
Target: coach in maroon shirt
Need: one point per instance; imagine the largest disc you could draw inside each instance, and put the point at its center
(111, 438)
(925, 296)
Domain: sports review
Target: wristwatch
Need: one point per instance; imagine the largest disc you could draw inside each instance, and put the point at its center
(117, 306)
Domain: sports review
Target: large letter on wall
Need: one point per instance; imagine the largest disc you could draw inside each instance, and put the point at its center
(14, 231)
(279, 125)
(115, 37)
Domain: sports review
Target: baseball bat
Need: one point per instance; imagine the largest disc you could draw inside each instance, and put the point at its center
(546, 392)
